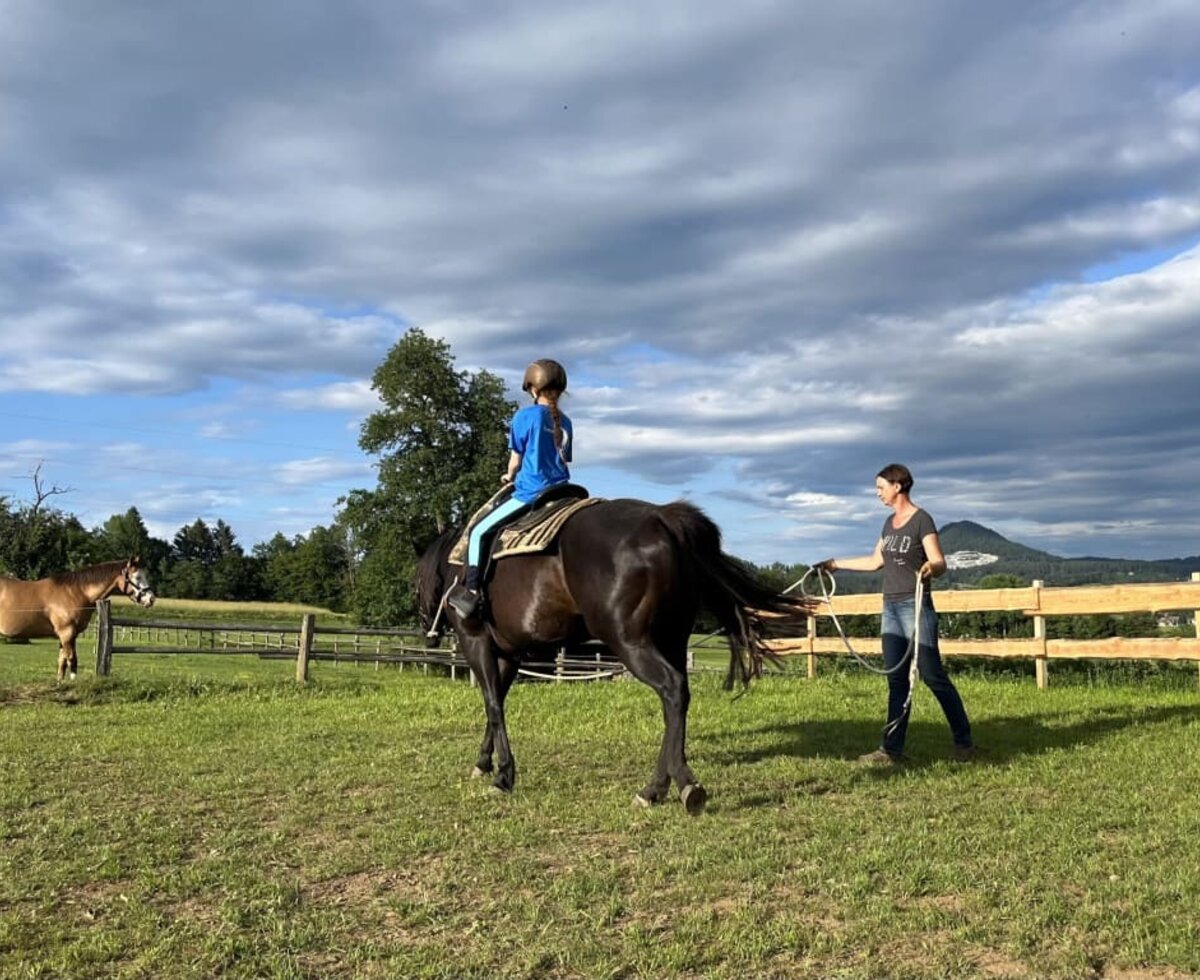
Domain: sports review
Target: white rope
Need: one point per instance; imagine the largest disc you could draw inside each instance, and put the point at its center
(826, 597)
(569, 677)
(910, 655)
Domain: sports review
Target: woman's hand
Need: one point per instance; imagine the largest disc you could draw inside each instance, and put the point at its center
(505, 480)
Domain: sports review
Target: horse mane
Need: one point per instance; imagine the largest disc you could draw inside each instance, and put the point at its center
(91, 575)
(429, 567)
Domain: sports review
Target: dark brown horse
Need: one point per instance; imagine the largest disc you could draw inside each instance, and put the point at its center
(630, 574)
(62, 605)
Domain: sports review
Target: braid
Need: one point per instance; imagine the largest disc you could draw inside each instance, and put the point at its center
(556, 417)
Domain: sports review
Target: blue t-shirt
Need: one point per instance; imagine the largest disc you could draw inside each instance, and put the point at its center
(532, 435)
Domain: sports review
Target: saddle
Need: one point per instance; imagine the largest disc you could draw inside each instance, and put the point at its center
(531, 531)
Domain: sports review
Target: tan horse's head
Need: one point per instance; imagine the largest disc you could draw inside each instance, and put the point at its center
(133, 582)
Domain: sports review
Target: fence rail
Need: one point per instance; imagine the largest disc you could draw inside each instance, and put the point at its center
(306, 642)
(1036, 602)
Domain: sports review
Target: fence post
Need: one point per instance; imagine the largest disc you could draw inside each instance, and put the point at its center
(104, 639)
(1040, 662)
(1196, 620)
(811, 629)
(304, 646)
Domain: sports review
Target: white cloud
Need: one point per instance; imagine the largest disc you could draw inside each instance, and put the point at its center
(318, 470)
(802, 242)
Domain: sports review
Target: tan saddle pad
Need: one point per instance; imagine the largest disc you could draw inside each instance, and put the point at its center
(530, 533)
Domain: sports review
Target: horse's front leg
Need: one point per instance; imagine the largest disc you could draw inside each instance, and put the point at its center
(67, 659)
(487, 664)
(506, 673)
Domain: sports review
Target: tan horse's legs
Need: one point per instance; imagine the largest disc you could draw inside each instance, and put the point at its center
(67, 658)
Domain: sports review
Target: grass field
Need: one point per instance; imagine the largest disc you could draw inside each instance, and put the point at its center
(196, 817)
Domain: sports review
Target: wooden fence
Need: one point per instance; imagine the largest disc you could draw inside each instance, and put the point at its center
(306, 642)
(1037, 602)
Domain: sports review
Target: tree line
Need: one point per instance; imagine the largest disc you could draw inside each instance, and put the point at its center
(439, 441)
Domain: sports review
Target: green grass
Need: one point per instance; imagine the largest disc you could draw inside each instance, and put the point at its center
(195, 817)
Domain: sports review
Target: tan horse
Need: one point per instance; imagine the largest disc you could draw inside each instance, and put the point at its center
(62, 605)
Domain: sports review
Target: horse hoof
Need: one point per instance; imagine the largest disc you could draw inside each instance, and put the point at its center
(641, 801)
(72, 675)
(694, 796)
(478, 773)
(498, 790)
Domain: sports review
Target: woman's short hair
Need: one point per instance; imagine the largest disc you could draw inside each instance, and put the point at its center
(897, 473)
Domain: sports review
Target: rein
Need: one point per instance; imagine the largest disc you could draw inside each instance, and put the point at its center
(433, 629)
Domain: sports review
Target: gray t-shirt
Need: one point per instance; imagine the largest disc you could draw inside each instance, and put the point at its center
(904, 554)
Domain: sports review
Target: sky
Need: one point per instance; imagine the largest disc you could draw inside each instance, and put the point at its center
(776, 245)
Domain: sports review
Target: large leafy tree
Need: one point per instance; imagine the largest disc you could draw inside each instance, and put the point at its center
(440, 439)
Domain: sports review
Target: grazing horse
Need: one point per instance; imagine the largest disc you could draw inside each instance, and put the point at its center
(62, 605)
(630, 574)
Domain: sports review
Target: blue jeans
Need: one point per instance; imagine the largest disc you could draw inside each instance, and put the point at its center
(897, 629)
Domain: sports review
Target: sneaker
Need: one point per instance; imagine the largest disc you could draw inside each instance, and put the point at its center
(879, 758)
(463, 601)
(963, 753)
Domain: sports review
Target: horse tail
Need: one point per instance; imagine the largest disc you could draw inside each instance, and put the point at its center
(745, 607)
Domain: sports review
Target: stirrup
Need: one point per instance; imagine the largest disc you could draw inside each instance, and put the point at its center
(464, 601)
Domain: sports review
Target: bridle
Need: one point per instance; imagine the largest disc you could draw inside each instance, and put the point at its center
(133, 589)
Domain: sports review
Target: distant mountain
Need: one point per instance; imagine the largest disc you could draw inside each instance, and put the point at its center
(971, 540)
(969, 536)
(974, 552)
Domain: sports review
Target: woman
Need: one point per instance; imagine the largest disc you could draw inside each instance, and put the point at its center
(539, 442)
(908, 548)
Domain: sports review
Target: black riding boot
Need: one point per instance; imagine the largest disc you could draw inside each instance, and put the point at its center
(464, 598)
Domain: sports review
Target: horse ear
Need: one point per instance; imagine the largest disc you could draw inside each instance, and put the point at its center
(134, 561)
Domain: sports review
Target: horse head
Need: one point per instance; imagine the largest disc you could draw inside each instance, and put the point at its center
(133, 582)
(431, 587)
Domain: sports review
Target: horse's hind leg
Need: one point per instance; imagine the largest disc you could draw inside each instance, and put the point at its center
(506, 673)
(648, 665)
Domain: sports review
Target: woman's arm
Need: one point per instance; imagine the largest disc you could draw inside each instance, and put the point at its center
(936, 561)
(864, 563)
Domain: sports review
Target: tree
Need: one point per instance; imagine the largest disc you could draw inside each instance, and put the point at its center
(441, 444)
(37, 540)
(313, 570)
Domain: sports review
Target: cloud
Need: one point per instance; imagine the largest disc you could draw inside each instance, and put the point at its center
(352, 396)
(785, 245)
(298, 472)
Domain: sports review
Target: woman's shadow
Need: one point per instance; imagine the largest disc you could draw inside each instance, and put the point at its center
(1000, 740)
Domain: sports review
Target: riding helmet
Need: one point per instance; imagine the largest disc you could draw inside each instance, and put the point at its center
(545, 375)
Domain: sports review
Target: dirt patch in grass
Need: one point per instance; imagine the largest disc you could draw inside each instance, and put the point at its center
(993, 963)
(38, 694)
(373, 885)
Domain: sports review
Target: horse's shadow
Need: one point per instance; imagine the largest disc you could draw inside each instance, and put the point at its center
(1000, 740)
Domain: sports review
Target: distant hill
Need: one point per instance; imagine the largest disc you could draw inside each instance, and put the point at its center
(971, 539)
(974, 552)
